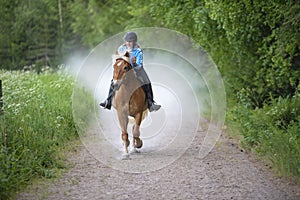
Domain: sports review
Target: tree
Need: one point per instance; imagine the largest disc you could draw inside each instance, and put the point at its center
(7, 58)
(34, 33)
(254, 43)
(94, 21)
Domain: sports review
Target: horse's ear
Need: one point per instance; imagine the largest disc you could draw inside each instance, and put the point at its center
(127, 54)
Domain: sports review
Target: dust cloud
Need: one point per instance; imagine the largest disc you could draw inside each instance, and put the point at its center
(185, 82)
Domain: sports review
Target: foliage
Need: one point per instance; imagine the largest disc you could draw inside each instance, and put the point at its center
(273, 132)
(95, 20)
(255, 44)
(37, 122)
(34, 33)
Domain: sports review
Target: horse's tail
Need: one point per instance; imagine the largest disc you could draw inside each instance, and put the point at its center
(145, 114)
(132, 120)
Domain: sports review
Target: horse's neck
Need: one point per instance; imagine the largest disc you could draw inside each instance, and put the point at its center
(131, 82)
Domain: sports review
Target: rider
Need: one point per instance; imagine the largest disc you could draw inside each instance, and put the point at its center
(136, 59)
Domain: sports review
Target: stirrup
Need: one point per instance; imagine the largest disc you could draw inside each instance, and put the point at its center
(154, 107)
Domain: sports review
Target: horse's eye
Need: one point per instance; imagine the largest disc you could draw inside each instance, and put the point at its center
(126, 68)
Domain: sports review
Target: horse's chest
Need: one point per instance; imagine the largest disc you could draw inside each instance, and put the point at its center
(122, 97)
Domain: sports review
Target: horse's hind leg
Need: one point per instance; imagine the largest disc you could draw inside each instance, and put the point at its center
(125, 141)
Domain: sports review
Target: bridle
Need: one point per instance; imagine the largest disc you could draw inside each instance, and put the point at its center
(118, 83)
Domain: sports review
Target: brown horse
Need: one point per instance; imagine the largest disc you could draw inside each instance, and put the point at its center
(129, 100)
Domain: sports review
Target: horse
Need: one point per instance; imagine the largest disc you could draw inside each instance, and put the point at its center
(129, 100)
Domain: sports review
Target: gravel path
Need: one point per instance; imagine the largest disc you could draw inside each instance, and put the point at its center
(225, 173)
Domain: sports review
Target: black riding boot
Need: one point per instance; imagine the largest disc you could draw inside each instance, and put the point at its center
(107, 103)
(149, 95)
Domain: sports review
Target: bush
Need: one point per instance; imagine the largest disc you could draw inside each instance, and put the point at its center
(273, 132)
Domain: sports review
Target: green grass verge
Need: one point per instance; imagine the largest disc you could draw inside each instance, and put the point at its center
(273, 132)
(36, 124)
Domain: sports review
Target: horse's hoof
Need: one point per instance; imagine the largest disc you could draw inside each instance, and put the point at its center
(137, 151)
(138, 143)
(125, 156)
(134, 150)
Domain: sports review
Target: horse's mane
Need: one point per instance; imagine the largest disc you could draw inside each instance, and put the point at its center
(125, 56)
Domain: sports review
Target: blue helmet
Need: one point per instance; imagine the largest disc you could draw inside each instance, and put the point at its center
(130, 37)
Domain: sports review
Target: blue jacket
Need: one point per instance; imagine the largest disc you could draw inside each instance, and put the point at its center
(137, 52)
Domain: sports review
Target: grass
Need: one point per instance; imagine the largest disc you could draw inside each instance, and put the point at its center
(36, 125)
(272, 132)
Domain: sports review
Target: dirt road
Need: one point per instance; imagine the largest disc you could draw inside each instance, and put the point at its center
(225, 173)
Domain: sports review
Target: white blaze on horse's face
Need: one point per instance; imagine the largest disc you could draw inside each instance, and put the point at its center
(120, 69)
(119, 64)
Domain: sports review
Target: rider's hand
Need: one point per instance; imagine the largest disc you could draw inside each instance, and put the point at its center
(133, 61)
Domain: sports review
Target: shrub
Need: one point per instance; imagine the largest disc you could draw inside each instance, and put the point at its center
(273, 132)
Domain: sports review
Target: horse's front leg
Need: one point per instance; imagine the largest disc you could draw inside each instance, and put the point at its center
(125, 142)
(136, 141)
(123, 119)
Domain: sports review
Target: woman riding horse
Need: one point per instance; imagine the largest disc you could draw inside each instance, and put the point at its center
(136, 60)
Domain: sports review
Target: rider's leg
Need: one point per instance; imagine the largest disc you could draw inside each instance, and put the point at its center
(149, 94)
(147, 87)
(107, 103)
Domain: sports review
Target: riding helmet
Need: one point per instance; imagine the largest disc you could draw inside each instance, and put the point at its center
(130, 37)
